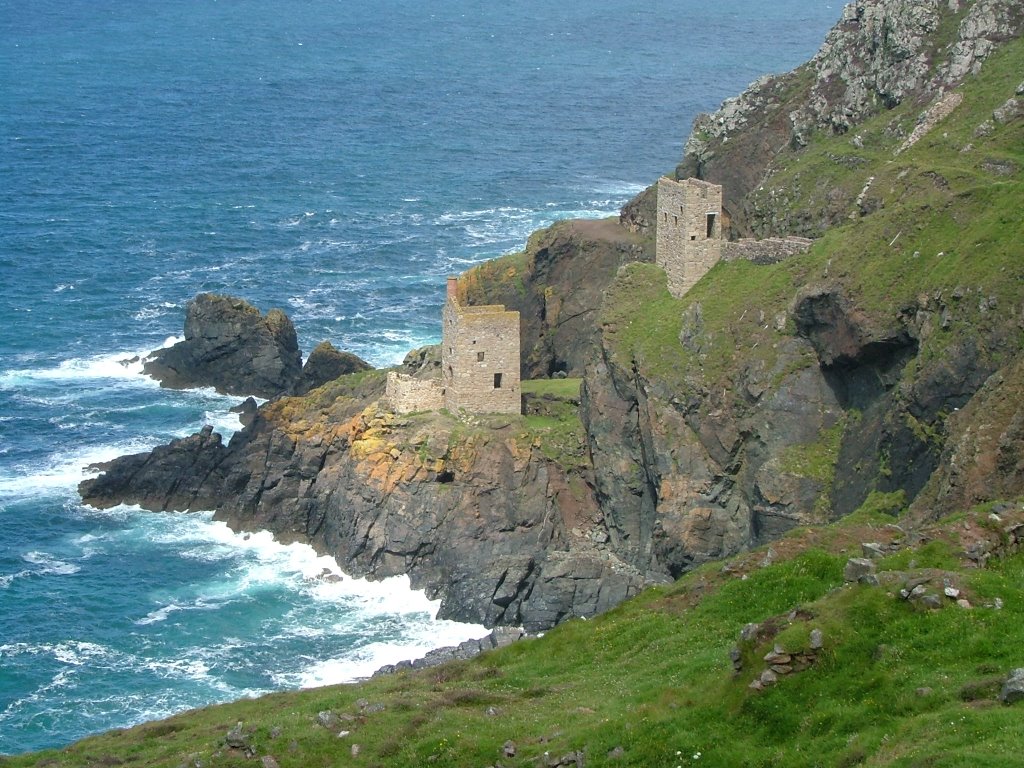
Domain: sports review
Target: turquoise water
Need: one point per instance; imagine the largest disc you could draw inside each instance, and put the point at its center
(334, 159)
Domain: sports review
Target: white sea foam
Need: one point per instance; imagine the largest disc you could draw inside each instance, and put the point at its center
(345, 602)
(65, 471)
(364, 661)
(47, 563)
(123, 365)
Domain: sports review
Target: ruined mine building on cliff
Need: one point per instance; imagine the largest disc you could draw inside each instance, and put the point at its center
(690, 236)
(689, 231)
(479, 357)
(479, 363)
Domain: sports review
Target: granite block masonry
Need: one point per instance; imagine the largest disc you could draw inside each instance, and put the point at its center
(480, 359)
(689, 231)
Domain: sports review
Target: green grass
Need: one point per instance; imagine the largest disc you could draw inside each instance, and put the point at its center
(565, 389)
(946, 223)
(653, 678)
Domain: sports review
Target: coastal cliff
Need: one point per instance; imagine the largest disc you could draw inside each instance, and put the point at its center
(881, 368)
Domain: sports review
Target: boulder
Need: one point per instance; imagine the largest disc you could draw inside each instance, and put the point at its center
(858, 569)
(1013, 688)
(231, 347)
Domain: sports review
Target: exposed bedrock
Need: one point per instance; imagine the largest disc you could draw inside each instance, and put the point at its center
(231, 347)
(478, 518)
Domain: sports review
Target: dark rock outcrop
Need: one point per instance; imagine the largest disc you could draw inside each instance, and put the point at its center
(326, 363)
(476, 516)
(230, 346)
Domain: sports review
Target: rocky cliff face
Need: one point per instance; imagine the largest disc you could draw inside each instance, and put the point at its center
(882, 367)
(881, 54)
(473, 512)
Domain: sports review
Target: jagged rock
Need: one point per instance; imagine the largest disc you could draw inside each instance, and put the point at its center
(1013, 688)
(236, 738)
(509, 749)
(858, 568)
(1011, 109)
(170, 477)
(246, 411)
(326, 718)
(230, 346)
(872, 550)
(268, 762)
(326, 363)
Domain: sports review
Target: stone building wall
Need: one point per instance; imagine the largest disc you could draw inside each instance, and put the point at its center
(689, 231)
(404, 394)
(480, 357)
(767, 251)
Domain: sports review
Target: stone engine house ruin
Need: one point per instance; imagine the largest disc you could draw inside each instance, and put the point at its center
(689, 231)
(690, 241)
(479, 357)
(480, 360)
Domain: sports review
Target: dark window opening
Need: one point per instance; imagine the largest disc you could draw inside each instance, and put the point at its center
(711, 224)
(497, 381)
(479, 357)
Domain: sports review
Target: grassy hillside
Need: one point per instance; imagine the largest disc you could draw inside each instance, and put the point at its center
(940, 220)
(651, 683)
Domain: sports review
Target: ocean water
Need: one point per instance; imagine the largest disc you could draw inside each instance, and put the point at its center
(336, 159)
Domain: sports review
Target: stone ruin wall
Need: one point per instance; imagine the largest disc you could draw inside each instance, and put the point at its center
(480, 359)
(768, 251)
(404, 394)
(689, 231)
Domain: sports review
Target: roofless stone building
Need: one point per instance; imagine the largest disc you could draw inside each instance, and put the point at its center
(689, 231)
(480, 360)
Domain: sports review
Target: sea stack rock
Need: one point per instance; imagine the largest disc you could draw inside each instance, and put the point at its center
(326, 363)
(230, 346)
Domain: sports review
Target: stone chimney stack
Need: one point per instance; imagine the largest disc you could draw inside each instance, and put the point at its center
(453, 288)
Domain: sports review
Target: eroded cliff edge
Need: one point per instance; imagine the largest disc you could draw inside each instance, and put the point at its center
(882, 367)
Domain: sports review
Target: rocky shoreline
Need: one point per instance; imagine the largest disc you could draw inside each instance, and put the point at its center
(741, 414)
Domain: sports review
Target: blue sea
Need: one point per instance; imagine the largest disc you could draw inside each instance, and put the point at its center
(336, 159)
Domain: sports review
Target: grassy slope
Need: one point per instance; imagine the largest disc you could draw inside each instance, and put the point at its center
(654, 678)
(943, 218)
